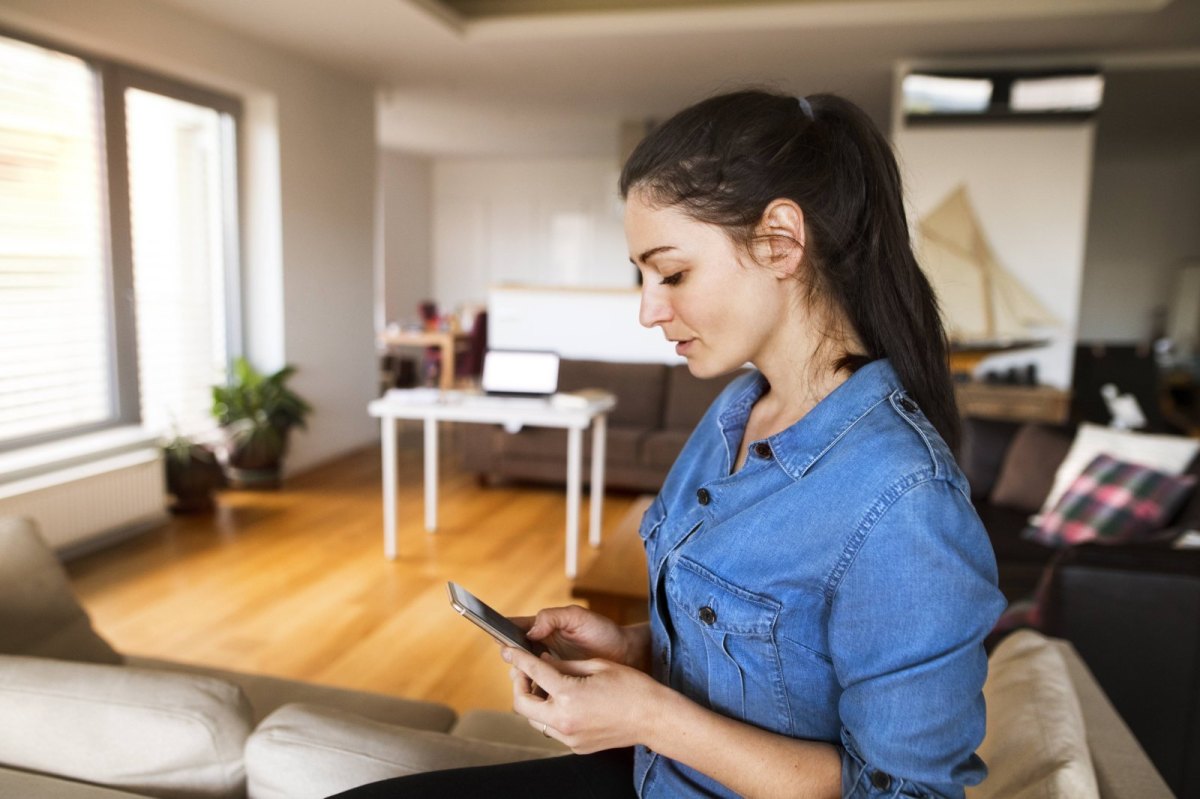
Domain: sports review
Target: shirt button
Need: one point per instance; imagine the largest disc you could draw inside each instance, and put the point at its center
(881, 780)
(708, 615)
(702, 496)
(763, 450)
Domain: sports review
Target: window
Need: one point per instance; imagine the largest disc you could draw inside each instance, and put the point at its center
(118, 246)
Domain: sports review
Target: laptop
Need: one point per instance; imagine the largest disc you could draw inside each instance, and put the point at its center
(520, 373)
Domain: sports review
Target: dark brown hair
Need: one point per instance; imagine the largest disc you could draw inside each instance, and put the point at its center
(724, 160)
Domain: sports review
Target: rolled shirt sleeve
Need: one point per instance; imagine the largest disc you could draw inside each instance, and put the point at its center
(908, 617)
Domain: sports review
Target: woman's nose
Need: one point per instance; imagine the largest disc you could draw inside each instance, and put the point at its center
(655, 308)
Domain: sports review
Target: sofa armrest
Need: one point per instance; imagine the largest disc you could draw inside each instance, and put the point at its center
(305, 750)
(168, 735)
(1130, 612)
(1123, 771)
(267, 694)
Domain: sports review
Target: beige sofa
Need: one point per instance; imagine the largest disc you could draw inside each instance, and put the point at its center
(79, 720)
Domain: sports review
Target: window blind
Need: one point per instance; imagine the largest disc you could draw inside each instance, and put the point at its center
(55, 369)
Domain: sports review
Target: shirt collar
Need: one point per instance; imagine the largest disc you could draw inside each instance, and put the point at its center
(798, 447)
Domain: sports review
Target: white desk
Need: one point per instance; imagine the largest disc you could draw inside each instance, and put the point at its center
(432, 406)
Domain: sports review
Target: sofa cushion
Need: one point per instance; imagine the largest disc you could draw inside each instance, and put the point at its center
(1112, 502)
(985, 444)
(267, 694)
(621, 445)
(150, 732)
(505, 728)
(39, 614)
(1029, 467)
(638, 388)
(1036, 743)
(1170, 454)
(688, 397)
(662, 447)
(304, 750)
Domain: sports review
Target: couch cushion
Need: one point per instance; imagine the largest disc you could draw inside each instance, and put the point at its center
(638, 387)
(1029, 467)
(304, 750)
(267, 694)
(622, 445)
(688, 397)
(985, 444)
(39, 614)
(505, 728)
(1036, 743)
(662, 447)
(157, 733)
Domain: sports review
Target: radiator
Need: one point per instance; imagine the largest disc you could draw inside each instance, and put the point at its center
(90, 502)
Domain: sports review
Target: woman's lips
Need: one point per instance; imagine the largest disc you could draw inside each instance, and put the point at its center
(682, 347)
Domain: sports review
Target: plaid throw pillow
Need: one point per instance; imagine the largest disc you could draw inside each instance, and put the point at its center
(1112, 502)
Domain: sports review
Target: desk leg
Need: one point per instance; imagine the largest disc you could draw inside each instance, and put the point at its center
(431, 474)
(599, 437)
(388, 432)
(574, 467)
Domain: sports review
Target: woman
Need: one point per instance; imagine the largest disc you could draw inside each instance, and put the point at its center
(820, 584)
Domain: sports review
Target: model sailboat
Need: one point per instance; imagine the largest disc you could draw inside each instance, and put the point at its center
(985, 308)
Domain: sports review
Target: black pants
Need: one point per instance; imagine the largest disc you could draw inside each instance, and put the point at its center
(603, 775)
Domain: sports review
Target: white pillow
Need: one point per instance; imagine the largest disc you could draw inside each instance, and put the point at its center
(1165, 453)
(1036, 742)
(156, 733)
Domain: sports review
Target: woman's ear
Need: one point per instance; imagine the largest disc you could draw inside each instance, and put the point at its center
(782, 231)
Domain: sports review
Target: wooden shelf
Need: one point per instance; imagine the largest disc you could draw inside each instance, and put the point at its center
(1013, 403)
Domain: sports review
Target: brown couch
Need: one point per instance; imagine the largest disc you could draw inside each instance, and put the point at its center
(1011, 468)
(658, 405)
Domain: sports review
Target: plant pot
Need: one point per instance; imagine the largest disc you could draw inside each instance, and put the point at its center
(253, 458)
(193, 481)
(270, 477)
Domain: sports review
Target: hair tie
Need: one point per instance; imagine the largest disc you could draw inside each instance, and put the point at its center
(805, 108)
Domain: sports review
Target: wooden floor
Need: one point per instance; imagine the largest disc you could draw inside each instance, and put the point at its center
(294, 582)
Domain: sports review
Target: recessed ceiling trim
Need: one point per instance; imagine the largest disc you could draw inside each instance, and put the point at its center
(609, 17)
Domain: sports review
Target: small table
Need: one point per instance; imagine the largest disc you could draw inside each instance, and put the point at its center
(432, 406)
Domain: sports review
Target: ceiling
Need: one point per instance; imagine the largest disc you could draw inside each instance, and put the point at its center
(557, 76)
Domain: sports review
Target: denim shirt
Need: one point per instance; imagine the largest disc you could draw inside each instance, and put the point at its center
(836, 588)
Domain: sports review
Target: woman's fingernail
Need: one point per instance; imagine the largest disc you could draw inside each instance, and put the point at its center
(506, 654)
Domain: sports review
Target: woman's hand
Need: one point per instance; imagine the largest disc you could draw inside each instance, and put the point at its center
(587, 702)
(575, 633)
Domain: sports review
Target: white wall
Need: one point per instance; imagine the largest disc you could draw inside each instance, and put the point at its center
(407, 218)
(1030, 185)
(1145, 222)
(549, 222)
(308, 172)
(586, 324)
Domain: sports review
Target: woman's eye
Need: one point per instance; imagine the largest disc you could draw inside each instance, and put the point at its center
(672, 280)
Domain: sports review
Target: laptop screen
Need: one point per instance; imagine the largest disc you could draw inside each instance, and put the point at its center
(520, 372)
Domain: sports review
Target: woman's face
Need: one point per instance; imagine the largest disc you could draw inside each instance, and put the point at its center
(706, 294)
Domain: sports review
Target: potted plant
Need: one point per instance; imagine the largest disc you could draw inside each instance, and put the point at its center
(256, 413)
(193, 475)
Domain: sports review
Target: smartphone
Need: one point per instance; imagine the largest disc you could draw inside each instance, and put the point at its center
(495, 625)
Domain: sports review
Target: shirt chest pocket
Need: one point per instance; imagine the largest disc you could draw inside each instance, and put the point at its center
(726, 638)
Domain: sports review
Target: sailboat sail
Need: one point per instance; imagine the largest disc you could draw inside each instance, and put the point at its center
(982, 302)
